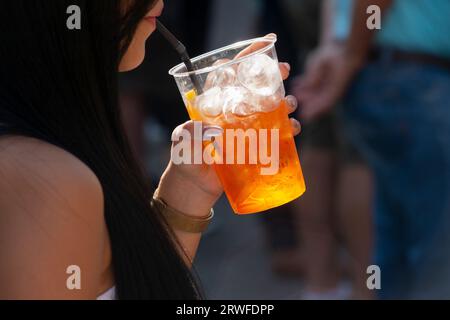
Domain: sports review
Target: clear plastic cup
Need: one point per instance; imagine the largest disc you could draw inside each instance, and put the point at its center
(242, 92)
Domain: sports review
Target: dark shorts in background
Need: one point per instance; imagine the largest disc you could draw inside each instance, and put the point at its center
(326, 133)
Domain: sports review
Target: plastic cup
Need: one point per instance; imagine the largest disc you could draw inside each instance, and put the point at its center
(256, 159)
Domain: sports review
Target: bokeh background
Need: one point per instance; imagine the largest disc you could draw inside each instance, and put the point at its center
(375, 151)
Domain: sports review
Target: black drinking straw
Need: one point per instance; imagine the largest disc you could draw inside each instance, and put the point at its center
(182, 51)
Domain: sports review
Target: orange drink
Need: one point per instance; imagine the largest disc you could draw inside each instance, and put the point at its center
(256, 158)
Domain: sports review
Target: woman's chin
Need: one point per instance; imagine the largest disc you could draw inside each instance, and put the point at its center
(127, 65)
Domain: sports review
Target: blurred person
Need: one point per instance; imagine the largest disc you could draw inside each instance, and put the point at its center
(396, 83)
(338, 203)
(71, 193)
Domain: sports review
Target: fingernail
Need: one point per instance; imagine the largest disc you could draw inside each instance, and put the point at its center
(292, 101)
(287, 65)
(272, 35)
(212, 127)
(212, 132)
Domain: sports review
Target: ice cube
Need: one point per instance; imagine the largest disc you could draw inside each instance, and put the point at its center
(210, 102)
(270, 103)
(260, 74)
(221, 77)
(237, 101)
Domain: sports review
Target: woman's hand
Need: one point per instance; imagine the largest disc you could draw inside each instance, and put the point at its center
(194, 188)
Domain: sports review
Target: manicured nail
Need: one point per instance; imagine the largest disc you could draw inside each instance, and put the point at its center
(292, 101)
(287, 66)
(296, 126)
(212, 132)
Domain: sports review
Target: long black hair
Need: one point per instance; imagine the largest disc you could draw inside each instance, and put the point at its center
(60, 86)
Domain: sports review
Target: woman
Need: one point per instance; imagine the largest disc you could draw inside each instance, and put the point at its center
(70, 192)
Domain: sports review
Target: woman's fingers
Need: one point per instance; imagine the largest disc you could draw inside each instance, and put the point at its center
(177, 134)
(292, 103)
(296, 127)
(255, 47)
(285, 69)
(211, 132)
(196, 131)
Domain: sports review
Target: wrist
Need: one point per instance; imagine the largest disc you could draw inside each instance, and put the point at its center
(184, 194)
(356, 60)
(179, 221)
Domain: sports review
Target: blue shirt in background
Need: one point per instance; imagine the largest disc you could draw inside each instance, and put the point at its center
(410, 25)
(418, 26)
(342, 18)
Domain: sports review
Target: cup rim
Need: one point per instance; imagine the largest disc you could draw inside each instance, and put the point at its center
(271, 41)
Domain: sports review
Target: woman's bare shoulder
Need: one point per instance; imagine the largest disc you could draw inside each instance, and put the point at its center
(51, 217)
(30, 166)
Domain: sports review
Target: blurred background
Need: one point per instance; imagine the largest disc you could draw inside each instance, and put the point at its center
(375, 147)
